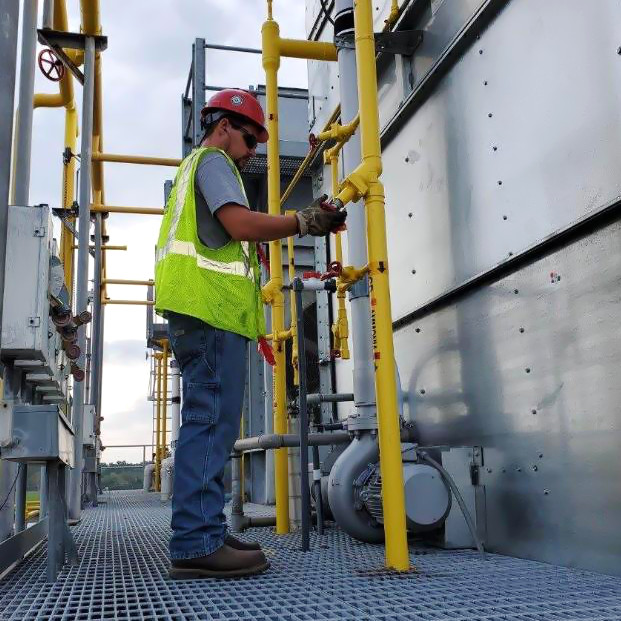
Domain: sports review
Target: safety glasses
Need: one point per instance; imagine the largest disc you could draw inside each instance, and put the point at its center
(249, 138)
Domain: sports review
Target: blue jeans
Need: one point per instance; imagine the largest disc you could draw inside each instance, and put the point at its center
(213, 365)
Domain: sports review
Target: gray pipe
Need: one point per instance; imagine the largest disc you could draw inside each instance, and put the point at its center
(317, 398)
(48, 14)
(9, 18)
(347, 468)
(274, 441)
(360, 327)
(75, 491)
(23, 133)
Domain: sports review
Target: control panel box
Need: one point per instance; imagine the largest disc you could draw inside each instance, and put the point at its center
(25, 325)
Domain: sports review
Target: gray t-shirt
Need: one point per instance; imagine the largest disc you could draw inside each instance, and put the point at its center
(215, 185)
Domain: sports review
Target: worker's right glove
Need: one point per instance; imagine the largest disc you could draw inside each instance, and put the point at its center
(320, 218)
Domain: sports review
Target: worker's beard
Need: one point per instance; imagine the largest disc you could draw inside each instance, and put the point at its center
(241, 163)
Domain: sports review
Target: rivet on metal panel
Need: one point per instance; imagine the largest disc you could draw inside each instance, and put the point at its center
(516, 291)
(490, 115)
(407, 159)
(417, 330)
(546, 492)
(522, 330)
(533, 412)
(485, 83)
(494, 148)
(505, 217)
(480, 51)
(527, 369)
(410, 214)
(499, 182)
(422, 391)
(534, 467)
(413, 271)
(510, 253)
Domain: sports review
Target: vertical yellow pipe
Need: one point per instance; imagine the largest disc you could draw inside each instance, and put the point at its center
(158, 410)
(385, 383)
(293, 307)
(271, 62)
(341, 327)
(66, 238)
(164, 397)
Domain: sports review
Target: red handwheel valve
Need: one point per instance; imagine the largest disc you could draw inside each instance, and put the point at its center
(51, 67)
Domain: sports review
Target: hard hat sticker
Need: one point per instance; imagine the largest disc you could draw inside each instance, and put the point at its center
(236, 100)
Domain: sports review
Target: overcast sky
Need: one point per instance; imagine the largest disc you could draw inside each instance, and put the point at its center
(145, 69)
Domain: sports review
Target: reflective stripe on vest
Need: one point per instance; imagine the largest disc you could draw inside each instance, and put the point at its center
(187, 249)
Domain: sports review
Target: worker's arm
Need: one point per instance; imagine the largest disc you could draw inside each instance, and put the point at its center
(245, 225)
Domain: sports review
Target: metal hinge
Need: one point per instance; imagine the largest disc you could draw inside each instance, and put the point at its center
(403, 42)
(39, 231)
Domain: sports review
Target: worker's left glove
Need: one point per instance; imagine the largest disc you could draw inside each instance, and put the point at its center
(320, 218)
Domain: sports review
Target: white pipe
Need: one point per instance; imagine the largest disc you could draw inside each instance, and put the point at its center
(361, 333)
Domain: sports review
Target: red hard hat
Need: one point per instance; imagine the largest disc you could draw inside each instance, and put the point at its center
(241, 103)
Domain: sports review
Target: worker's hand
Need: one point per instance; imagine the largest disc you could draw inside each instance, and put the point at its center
(320, 218)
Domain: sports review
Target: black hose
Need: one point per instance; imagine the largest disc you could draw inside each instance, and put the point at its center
(462, 505)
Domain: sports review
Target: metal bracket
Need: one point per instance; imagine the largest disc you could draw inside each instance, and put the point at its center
(359, 289)
(57, 40)
(403, 42)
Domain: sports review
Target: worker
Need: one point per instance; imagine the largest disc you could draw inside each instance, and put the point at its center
(207, 283)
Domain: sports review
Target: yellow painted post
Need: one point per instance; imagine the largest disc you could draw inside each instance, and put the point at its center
(271, 62)
(397, 556)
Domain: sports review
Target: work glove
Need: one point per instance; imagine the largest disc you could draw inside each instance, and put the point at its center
(320, 218)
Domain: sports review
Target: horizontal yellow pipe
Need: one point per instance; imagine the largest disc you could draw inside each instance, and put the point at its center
(129, 302)
(136, 159)
(148, 211)
(104, 247)
(118, 281)
(310, 50)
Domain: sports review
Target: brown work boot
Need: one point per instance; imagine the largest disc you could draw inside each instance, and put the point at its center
(239, 544)
(225, 562)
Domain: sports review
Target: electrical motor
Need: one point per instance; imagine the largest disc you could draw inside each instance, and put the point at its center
(427, 497)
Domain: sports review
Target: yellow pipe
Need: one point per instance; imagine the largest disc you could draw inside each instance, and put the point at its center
(164, 397)
(310, 50)
(104, 248)
(271, 62)
(340, 132)
(129, 302)
(385, 383)
(340, 328)
(294, 312)
(68, 189)
(119, 281)
(147, 211)
(135, 159)
(158, 420)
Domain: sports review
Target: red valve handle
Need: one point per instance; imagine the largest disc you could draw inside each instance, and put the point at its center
(312, 141)
(51, 67)
(335, 269)
(307, 275)
(265, 349)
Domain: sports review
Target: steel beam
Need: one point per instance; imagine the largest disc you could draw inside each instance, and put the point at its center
(75, 491)
(198, 88)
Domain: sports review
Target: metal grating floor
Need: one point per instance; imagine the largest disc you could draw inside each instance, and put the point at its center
(123, 575)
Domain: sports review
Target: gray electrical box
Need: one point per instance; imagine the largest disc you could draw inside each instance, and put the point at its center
(40, 433)
(26, 307)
